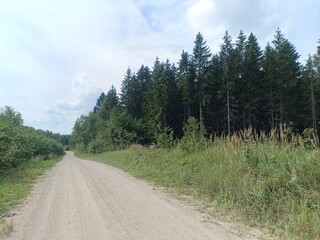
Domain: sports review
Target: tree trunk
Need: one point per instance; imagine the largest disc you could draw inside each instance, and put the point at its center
(281, 108)
(271, 101)
(228, 110)
(200, 110)
(313, 110)
(243, 116)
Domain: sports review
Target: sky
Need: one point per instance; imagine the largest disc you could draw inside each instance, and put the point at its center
(57, 57)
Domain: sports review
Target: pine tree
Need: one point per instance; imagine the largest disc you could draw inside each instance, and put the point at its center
(99, 102)
(201, 63)
(185, 81)
(287, 71)
(269, 79)
(111, 100)
(253, 81)
(311, 94)
(174, 115)
(131, 94)
(143, 78)
(227, 57)
(240, 83)
(126, 88)
(214, 97)
(156, 100)
(309, 76)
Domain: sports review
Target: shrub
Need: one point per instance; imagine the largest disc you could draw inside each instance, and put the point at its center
(165, 139)
(194, 136)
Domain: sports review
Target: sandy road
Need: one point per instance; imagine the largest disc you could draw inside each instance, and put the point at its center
(87, 200)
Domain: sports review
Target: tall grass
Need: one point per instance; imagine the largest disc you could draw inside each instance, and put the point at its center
(272, 180)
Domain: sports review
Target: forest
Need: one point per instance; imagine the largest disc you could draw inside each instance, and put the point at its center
(241, 87)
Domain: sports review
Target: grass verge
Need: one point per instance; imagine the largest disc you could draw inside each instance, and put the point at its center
(274, 186)
(16, 184)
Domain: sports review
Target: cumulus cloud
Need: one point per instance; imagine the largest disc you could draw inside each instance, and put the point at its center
(83, 87)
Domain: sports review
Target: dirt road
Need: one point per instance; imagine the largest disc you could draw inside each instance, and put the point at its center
(87, 200)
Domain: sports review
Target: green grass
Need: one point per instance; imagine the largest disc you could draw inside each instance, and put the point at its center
(16, 184)
(273, 186)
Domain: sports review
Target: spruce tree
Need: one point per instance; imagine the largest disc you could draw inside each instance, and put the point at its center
(227, 57)
(99, 102)
(185, 82)
(287, 70)
(201, 63)
(253, 81)
(240, 83)
(269, 84)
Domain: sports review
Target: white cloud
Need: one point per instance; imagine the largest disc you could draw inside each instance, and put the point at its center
(44, 45)
(82, 87)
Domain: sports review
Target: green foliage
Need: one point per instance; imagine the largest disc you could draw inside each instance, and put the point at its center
(10, 114)
(193, 136)
(165, 139)
(19, 144)
(123, 129)
(97, 146)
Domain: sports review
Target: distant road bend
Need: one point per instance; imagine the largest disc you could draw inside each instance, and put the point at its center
(88, 200)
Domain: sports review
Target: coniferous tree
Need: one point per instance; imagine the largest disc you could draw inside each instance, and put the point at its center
(143, 78)
(133, 91)
(185, 81)
(156, 100)
(201, 63)
(216, 108)
(240, 82)
(311, 95)
(126, 88)
(130, 96)
(227, 57)
(253, 81)
(269, 79)
(111, 100)
(309, 77)
(287, 71)
(99, 102)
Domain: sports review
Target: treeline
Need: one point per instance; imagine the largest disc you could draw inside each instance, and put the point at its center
(240, 87)
(20, 143)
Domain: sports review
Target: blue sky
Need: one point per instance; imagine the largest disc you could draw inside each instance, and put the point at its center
(56, 57)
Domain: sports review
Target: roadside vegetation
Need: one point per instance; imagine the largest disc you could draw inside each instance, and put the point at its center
(25, 153)
(238, 127)
(271, 182)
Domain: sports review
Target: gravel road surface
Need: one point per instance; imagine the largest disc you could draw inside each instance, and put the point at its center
(87, 200)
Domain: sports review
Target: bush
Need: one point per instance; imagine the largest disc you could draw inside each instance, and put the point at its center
(19, 144)
(165, 139)
(194, 136)
(97, 146)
